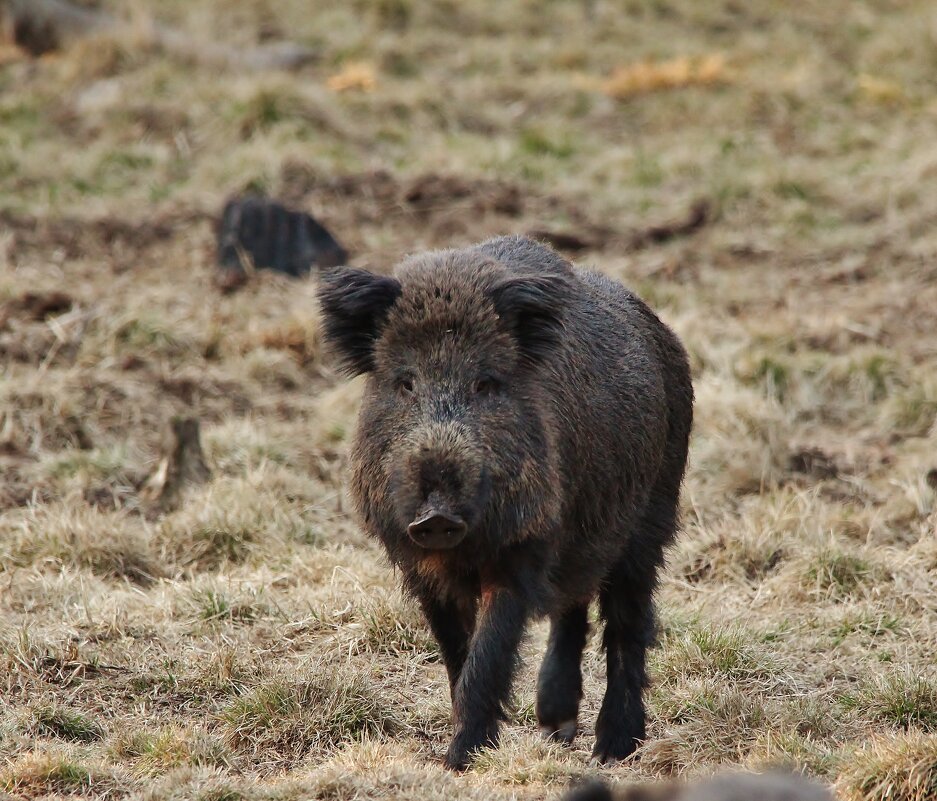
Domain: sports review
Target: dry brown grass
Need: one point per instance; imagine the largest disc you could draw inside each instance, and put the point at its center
(900, 767)
(251, 643)
(677, 73)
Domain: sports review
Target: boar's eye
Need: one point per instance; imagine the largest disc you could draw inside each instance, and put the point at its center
(404, 385)
(487, 386)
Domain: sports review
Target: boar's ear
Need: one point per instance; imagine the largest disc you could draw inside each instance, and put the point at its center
(532, 306)
(354, 304)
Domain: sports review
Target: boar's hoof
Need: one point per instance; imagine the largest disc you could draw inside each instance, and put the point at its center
(614, 750)
(457, 762)
(563, 733)
(436, 529)
(467, 743)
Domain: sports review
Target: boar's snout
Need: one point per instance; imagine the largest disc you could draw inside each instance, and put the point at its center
(437, 528)
(438, 485)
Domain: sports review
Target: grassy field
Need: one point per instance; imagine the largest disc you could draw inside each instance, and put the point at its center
(251, 643)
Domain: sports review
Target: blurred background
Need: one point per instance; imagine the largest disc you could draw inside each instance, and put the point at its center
(763, 174)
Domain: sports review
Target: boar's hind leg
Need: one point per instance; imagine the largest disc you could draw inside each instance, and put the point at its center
(626, 603)
(559, 687)
(484, 687)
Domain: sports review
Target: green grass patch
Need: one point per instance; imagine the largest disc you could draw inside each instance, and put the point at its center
(914, 411)
(286, 721)
(161, 750)
(148, 334)
(705, 652)
(50, 721)
(41, 775)
(838, 574)
(902, 699)
(793, 190)
(869, 624)
(18, 119)
(212, 604)
(154, 752)
(221, 794)
(647, 171)
(770, 372)
(395, 628)
(99, 463)
(535, 142)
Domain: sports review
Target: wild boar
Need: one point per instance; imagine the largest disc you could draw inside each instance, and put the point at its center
(520, 450)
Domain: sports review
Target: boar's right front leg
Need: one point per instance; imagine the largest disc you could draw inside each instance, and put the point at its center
(484, 688)
(452, 625)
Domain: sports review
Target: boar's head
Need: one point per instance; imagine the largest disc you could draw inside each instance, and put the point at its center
(456, 439)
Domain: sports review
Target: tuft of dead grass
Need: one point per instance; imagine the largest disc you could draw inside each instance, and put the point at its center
(732, 724)
(357, 76)
(106, 543)
(529, 760)
(230, 521)
(900, 767)
(654, 76)
(41, 774)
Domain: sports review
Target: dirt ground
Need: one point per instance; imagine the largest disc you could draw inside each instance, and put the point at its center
(764, 175)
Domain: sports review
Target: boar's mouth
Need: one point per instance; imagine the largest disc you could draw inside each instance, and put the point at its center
(436, 528)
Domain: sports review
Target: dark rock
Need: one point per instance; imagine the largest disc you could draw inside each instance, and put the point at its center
(257, 233)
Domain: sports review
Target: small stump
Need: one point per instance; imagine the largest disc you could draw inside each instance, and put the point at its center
(182, 465)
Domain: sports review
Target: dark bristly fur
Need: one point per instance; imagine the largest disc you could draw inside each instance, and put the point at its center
(537, 415)
(359, 303)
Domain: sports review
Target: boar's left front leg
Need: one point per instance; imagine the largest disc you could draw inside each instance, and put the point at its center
(484, 688)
